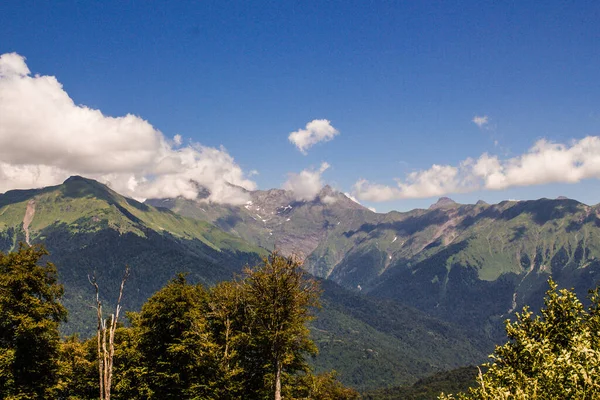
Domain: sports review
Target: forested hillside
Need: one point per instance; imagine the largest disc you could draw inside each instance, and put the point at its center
(90, 229)
(469, 264)
(245, 338)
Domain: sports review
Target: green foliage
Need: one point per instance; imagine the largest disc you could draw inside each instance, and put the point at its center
(375, 343)
(78, 369)
(429, 388)
(224, 343)
(31, 312)
(554, 355)
(174, 344)
(278, 297)
(323, 387)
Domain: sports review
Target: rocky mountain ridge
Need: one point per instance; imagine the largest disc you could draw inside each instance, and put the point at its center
(466, 263)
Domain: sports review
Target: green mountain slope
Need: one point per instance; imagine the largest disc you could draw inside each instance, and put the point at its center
(376, 343)
(429, 388)
(275, 219)
(87, 227)
(469, 264)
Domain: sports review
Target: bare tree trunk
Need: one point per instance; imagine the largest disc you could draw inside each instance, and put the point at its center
(92, 280)
(277, 380)
(106, 354)
(111, 340)
(227, 329)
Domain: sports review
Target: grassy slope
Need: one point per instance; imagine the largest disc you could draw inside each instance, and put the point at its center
(88, 227)
(470, 264)
(489, 262)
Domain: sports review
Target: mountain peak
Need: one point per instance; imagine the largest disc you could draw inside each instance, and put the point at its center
(78, 186)
(443, 202)
(327, 191)
(78, 179)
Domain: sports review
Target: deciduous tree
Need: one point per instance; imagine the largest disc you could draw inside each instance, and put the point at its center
(176, 351)
(553, 355)
(30, 314)
(279, 297)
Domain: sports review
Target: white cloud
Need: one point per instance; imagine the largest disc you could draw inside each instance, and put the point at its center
(45, 137)
(318, 130)
(307, 184)
(354, 199)
(329, 200)
(480, 121)
(545, 162)
(13, 65)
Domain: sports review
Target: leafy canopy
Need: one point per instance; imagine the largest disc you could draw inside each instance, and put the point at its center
(31, 312)
(553, 355)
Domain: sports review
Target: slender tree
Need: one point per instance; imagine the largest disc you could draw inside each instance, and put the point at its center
(225, 317)
(279, 297)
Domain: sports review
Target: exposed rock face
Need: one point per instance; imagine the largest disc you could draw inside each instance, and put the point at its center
(465, 263)
(29, 214)
(274, 219)
(443, 202)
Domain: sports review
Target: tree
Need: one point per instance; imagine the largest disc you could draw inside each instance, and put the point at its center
(323, 387)
(78, 372)
(554, 355)
(278, 298)
(177, 354)
(31, 313)
(226, 322)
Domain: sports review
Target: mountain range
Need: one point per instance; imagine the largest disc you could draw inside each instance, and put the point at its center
(469, 264)
(405, 294)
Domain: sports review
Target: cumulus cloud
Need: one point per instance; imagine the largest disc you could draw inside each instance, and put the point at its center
(480, 121)
(45, 137)
(318, 130)
(177, 140)
(306, 184)
(544, 163)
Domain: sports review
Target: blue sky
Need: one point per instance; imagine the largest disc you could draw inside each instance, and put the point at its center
(400, 81)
